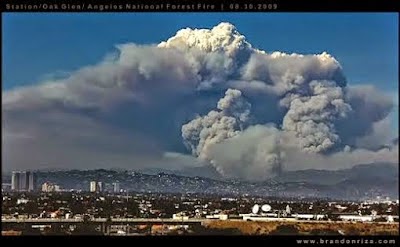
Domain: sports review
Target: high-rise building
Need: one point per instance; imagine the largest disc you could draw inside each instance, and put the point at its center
(116, 187)
(93, 186)
(15, 181)
(96, 186)
(100, 186)
(32, 181)
(24, 181)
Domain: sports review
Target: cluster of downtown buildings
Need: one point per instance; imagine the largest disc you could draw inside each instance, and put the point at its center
(23, 181)
(96, 186)
(26, 181)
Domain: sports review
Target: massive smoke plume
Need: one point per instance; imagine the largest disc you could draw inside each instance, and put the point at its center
(248, 112)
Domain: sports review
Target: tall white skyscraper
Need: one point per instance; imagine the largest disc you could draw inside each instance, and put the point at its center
(96, 186)
(93, 186)
(116, 187)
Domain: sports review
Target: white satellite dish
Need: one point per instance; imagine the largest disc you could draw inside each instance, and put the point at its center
(266, 208)
(255, 209)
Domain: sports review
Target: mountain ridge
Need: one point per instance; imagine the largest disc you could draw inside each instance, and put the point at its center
(366, 181)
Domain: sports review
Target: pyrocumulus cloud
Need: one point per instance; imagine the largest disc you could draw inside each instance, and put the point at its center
(248, 112)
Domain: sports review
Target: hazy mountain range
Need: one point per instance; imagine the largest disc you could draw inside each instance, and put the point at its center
(360, 181)
(365, 181)
(372, 171)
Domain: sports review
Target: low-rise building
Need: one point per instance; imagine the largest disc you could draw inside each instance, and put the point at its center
(361, 218)
(217, 216)
(180, 217)
(309, 216)
(22, 201)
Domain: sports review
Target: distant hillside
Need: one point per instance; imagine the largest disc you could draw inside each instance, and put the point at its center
(360, 182)
(200, 171)
(373, 171)
(380, 171)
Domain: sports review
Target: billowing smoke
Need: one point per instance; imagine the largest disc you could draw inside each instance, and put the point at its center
(253, 154)
(249, 112)
(310, 91)
(312, 117)
(263, 151)
(233, 112)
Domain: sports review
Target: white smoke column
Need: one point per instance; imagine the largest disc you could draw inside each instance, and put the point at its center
(217, 126)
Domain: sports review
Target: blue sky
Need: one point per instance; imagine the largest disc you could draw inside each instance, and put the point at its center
(36, 46)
